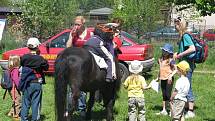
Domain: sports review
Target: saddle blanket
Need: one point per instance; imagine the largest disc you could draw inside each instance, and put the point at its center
(100, 61)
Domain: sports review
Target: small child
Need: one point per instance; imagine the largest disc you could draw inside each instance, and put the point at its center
(136, 84)
(179, 96)
(166, 72)
(13, 64)
(32, 92)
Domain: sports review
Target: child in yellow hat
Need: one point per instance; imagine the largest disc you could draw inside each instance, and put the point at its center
(178, 97)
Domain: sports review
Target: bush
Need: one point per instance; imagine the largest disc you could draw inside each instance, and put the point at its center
(9, 42)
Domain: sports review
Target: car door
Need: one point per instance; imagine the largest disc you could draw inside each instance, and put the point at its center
(53, 47)
(211, 35)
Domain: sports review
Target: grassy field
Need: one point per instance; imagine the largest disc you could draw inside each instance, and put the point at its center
(203, 87)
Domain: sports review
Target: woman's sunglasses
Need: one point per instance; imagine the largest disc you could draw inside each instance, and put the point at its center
(177, 19)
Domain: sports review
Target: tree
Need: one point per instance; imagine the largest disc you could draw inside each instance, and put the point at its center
(138, 15)
(4, 3)
(88, 5)
(206, 7)
(43, 18)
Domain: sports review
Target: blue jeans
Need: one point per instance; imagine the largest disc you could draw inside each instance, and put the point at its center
(82, 102)
(32, 97)
(190, 96)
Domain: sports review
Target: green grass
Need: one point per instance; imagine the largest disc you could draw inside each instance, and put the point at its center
(203, 87)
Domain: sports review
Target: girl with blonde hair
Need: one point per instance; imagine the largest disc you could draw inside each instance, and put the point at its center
(186, 48)
(13, 66)
(136, 84)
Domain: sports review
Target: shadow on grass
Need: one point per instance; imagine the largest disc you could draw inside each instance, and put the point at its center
(157, 107)
(147, 75)
(99, 115)
(42, 118)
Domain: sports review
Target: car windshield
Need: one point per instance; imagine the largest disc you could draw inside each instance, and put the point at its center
(129, 36)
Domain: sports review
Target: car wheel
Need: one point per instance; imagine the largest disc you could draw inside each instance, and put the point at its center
(123, 71)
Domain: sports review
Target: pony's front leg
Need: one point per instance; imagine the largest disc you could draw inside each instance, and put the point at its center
(109, 109)
(68, 112)
(75, 97)
(90, 104)
(109, 95)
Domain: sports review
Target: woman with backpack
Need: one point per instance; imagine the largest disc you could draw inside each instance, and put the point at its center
(186, 48)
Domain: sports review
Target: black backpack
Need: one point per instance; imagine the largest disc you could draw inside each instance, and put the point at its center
(6, 81)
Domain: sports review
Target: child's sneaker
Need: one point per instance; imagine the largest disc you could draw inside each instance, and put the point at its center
(170, 114)
(82, 113)
(10, 114)
(189, 114)
(163, 112)
(16, 118)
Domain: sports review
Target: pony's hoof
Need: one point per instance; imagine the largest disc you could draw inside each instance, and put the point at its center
(66, 114)
(83, 114)
(110, 119)
(109, 80)
(88, 117)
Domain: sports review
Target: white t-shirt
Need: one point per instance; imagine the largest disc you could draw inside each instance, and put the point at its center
(182, 86)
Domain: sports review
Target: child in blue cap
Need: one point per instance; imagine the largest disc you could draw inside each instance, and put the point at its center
(166, 72)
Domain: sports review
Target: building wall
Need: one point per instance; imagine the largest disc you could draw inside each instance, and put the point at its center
(208, 20)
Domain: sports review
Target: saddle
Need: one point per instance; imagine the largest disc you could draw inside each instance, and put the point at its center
(99, 61)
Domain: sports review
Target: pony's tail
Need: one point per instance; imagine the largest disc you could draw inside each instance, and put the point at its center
(60, 88)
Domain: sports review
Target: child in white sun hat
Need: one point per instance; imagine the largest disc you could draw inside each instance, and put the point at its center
(136, 84)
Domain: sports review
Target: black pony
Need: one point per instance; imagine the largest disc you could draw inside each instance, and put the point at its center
(77, 68)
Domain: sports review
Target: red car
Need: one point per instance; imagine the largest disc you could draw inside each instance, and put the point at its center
(209, 35)
(130, 51)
